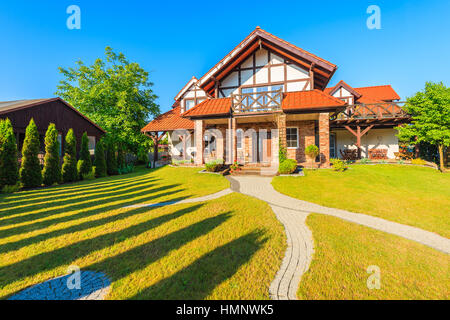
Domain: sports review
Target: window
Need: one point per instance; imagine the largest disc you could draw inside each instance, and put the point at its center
(333, 145)
(292, 137)
(239, 137)
(91, 144)
(188, 104)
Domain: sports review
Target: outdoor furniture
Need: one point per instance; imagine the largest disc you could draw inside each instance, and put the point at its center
(349, 154)
(378, 154)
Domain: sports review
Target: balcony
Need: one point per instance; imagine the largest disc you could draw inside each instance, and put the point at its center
(372, 112)
(257, 102)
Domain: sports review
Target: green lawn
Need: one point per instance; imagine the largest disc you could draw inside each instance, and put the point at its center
(228, 248)
(343, 251)
(412, 195)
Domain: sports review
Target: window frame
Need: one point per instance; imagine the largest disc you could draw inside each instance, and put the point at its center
(296, 133)
(239, 140)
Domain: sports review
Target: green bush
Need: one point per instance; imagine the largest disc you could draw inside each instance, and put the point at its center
(11, 188)
(100, 162)
(338, 165)
(69, 167)
(282, 153)
(287, 166)
(365, 161)
(418, 161)
(312, 151)
(90, 175)
(30, 168)
(9, 171)
(214, 165)
(84, 165)
(126, 169)
(52, 172)
(111, 161)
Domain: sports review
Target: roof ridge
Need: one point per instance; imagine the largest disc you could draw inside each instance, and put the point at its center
(329, 96)
(382, 85)
(298, 48)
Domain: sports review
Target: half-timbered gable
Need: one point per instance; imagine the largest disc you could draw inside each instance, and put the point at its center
(265, 70)
(190, 95)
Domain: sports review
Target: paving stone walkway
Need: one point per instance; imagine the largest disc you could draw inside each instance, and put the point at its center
(93, 286)
(293, 212)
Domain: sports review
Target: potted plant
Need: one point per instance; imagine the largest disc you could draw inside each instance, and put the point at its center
(312, 152)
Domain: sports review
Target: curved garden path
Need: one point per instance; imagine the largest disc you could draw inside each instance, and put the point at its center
(293, 212)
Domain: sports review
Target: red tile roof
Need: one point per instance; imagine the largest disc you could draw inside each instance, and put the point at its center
(313, 99)
(170, 120)
(379, 92)
(221, 106)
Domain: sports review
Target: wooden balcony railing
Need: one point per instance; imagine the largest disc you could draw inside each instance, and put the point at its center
(368, 111)
(267, 101)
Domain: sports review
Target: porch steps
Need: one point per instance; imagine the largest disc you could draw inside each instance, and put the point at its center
(256, 171)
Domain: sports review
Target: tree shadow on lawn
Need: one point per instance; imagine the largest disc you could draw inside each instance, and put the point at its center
(140, 257)
(198, 280)
(85, 213)
(66, 197)
(10, 246)
(73, 202)
(62, 256)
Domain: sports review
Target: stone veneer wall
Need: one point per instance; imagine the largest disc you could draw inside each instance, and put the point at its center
(324, 139)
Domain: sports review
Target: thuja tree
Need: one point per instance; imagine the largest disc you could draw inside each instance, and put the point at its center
(430, 112)
(52, 172)
(111, 161)
(69, 168)
(9, 173)
(100, 162)
(30, 169)
(84, 164)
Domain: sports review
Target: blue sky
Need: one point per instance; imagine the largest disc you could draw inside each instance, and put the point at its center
(176, 40)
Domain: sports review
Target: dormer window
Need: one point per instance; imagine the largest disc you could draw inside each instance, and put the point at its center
(191, 102)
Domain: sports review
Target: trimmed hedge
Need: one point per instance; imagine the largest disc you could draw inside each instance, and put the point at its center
(100, 162)
(287, 166)
(69, 168)
(9, 171)
(52, 172)
(30, 169)
(84, 165)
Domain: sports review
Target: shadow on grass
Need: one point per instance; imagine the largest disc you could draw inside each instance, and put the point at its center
(15, 245)
(62, 256)
(140, 257)
(66, 198)
(199, 279)
(89, 212)
(71, 203)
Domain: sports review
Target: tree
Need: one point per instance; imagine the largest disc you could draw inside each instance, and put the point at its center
(99, 162)
(84, 165)
(69, 167)
(111, 162)
(30, 168)
(120, 157)
(430, 112)
(9, 173)
(312, 151)
(52, 172)
(114, 93)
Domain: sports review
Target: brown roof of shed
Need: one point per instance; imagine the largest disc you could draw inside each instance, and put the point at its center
(10, 106)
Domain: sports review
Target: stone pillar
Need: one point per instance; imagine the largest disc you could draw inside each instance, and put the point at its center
(275, 148)
(199, 131)
(281, 124)
(324, 139)
(234, 139)
(220, 142)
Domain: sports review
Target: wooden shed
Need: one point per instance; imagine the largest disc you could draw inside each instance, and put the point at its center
(46, 111)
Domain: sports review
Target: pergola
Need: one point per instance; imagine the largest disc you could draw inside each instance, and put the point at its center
(358, 119)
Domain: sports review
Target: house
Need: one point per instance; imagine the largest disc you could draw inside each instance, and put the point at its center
(268, 92)
(44, 112)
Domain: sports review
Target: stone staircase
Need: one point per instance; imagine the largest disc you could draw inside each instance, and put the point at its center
(256, 170)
